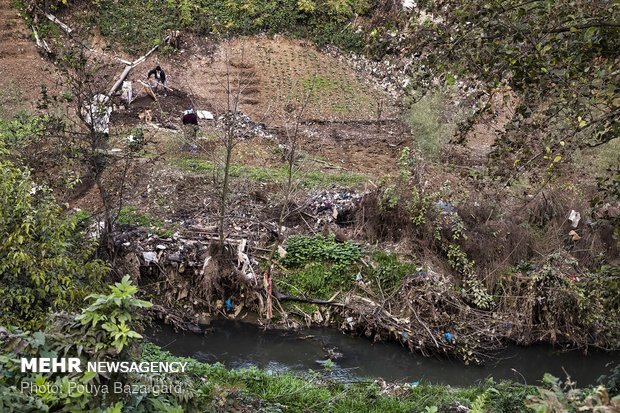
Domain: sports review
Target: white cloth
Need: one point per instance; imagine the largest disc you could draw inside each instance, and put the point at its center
(97, 113)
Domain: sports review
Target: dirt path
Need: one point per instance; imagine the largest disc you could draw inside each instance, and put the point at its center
(22, 69)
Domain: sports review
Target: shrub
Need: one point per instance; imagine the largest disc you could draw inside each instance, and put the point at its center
(45, 262)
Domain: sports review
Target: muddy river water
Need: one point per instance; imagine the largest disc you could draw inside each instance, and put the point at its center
(238, 345)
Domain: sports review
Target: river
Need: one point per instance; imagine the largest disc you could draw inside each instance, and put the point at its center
(237, 345)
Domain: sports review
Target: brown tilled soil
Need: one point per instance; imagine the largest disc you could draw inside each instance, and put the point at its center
(22, 69)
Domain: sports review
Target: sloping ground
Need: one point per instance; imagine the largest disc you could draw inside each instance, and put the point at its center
(277, 72)
(22, 69)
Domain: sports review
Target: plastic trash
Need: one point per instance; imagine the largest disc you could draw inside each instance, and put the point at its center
(97, 113)
(228, 305)
(449, 337)
(127, 91)
(149, 257)
(574, 217)
(204, 114)
(445, 206)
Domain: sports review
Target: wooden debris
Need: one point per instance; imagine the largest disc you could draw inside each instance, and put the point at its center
(41, 43)
(60, 24)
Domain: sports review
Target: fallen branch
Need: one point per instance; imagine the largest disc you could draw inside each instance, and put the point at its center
(63, 26)
(120, 80)
(41, 43)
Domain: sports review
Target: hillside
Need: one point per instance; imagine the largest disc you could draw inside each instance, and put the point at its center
(347, 171)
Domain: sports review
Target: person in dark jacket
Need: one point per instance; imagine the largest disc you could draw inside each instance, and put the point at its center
(190, 130)
(159, 79)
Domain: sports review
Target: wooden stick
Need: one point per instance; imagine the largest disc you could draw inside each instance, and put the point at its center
(133, 64)
(41, 43)
(148, 89)
(63, 26)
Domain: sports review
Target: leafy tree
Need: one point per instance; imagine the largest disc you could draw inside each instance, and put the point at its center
(559, 57)
(44, 259)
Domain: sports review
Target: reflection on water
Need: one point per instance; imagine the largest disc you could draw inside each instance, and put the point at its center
(239, 345)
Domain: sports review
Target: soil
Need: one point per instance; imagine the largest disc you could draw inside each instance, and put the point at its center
(20, 88)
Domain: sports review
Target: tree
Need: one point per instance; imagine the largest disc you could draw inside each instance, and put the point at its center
(234, 86)
(45, 260)
(560, 58)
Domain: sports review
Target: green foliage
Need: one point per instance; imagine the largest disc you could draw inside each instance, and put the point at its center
(565, 397)
(612, 381)
(429, 129)
(301, 249)
(21, 131)
(114, 311)
(387, 271)
(319, 266)
(609, 189)
(558, 57)
(103, 332)
(45, 262)
(138, 25)
(93, 335)
(134, 24)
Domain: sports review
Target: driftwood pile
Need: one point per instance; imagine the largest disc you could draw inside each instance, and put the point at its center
(189, 272)
(429, 316)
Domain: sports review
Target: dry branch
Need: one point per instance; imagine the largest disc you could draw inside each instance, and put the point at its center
(133, 64)
(41, 43)
(63, 26)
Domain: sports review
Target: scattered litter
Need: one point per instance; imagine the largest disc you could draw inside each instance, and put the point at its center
(408, 5)
(228, 305)
(149, 257)
(449, 337)
(127, 91)
(445, 206)
(243, 126)
(574, 218)
(574, 236)
(332, 206)
(97, 113)
(204, 114)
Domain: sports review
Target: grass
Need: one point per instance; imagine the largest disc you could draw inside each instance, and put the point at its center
(309, 179)
(131, 216)
(312, 392)
(597, 161)
(429, 130)
(11, 101)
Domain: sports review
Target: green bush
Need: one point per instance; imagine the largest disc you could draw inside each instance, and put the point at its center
(45, 262)
(318, 266)
(138, 25)
(387, 271)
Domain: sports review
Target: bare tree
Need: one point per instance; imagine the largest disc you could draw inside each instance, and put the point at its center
(234, 86)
